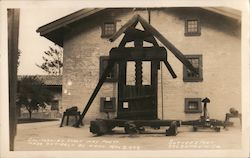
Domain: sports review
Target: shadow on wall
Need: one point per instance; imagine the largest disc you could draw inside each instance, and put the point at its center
(209, 19)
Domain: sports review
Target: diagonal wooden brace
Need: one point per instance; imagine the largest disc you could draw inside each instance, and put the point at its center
(170, 69)
(97, 88)
(177, 53)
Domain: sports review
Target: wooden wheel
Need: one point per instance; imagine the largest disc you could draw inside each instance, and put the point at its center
(130, 128)
(172, 130)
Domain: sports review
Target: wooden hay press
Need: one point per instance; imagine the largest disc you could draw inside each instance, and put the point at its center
(137, 104)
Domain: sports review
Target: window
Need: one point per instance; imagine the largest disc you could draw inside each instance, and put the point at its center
(108, 29)
(188, 75)
(192, 27)
(107, 104)
(112, 76)
(193, 105)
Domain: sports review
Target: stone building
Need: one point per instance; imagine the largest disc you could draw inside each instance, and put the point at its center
(209, 37)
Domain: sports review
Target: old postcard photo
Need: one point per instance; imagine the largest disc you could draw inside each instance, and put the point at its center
(128, 78)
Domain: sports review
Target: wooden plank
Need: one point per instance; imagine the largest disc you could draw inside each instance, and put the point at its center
(154, 85)
(156, 122)
(132, 34)
(137, 114)
(124, 41)
(121, 82)
(136, 34)
(170, 69)
(132, 22)
(140, 102)
(167, 43)
(133, 54)
(13, 33)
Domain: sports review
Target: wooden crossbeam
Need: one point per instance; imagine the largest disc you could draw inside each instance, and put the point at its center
(133, 34)
(132, 22)
(133, 54)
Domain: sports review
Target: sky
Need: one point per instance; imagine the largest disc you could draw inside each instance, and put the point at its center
(31, 44)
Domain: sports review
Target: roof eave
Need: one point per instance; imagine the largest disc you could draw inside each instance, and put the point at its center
(229, 12)
(64, 21)
(54, 31)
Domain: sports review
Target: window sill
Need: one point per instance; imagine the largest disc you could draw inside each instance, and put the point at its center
(106, 36)
(193, 80)
(192, 34)
(192, 112)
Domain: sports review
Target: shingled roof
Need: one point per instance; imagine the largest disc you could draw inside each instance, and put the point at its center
(49, 80)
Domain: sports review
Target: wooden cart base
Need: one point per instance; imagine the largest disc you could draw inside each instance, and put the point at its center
(212, 124)
(104, 126)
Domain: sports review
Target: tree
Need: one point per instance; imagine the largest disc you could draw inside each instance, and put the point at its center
(33, 94)
(52, 61)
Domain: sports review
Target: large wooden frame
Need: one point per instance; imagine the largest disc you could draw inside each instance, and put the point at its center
(138, 53)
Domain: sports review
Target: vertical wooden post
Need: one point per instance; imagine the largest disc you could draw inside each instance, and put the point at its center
(149, 15)
(138, 73)
(154, 84)
(122, 79)
(138, 65)
(13, 33)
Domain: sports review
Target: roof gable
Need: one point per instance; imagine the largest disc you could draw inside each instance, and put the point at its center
(55, 30)
(149, 29)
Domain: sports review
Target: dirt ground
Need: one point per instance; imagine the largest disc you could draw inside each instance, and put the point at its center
(47, 136)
